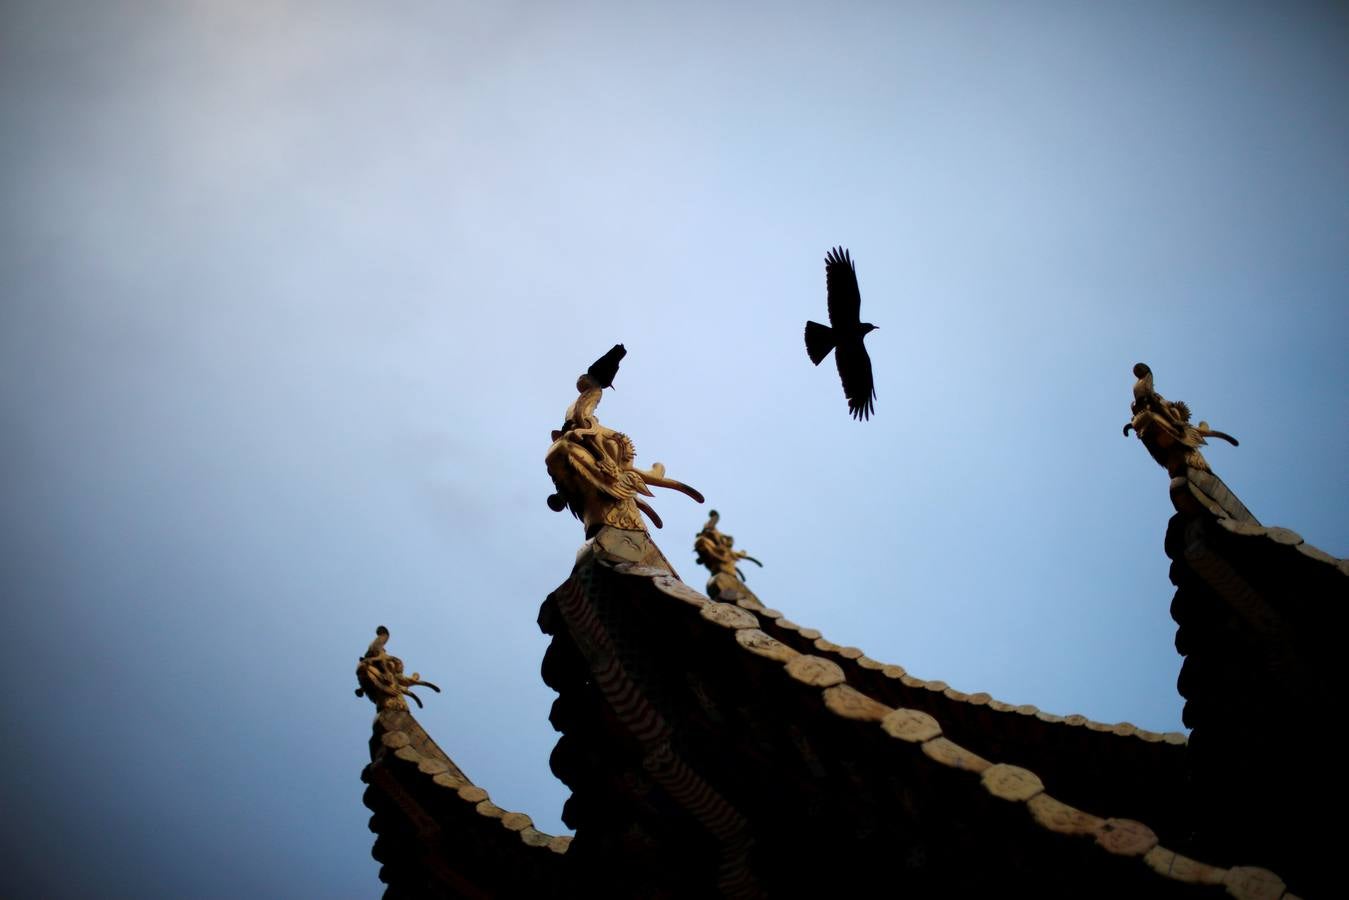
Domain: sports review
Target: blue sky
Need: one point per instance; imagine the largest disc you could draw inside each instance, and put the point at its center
(294, 293)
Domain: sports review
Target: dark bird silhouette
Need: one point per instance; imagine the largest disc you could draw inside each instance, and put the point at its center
(845, 337)
(605, 368)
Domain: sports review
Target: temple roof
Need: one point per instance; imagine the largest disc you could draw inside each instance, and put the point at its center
(809, 764)
(1260, 616)
(715, 747)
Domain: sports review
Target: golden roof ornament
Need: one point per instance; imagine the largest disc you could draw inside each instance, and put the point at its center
(382, 679)
(592, 466)
(713, 550)
(1165, 430)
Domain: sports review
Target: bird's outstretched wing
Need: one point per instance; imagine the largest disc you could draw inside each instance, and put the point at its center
(605, 368)
(854, 370)
(840, 277)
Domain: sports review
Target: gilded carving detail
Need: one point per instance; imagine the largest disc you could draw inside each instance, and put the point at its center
(382, 679)
(1165, 430)
(593, 467)
(714, 551)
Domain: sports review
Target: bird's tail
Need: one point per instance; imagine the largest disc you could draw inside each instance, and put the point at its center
(819, 341)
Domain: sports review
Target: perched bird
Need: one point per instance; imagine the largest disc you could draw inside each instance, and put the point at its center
(605, 368)
(845, 337)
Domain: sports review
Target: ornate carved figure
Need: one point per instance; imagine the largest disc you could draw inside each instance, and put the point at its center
(1164, 427)
(714, 550)
(592, 466)
(382, 679)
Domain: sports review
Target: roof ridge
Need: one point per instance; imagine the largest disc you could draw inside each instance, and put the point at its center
(1118, 836)
(1286, 537)
(746, 599)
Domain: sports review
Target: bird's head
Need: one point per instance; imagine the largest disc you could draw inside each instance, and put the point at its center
(867, 328)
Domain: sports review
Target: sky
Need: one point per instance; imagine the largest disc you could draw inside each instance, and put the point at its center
(292, 294)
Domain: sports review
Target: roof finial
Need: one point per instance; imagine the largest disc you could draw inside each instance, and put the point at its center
(382, 679)
(1164, 427)
(592, 466)
(713, 549)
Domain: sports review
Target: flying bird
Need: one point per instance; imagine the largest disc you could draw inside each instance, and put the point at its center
(605, 368)
(845, 337)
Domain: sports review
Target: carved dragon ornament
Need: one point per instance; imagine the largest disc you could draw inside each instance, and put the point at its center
(714, 551)
(382, 679)
(1164, 427)
(592, 467)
